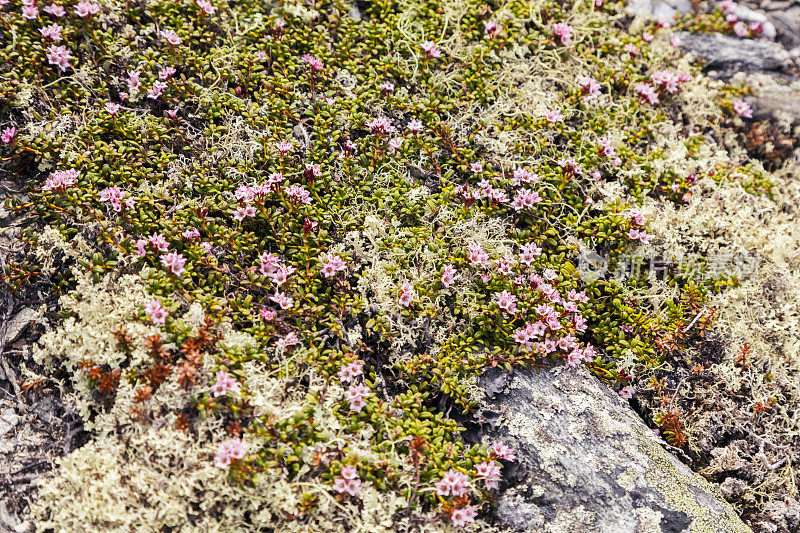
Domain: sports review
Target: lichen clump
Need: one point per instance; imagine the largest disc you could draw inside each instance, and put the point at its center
(306, 229)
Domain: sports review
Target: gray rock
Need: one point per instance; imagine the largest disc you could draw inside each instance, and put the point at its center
(785, 15)
(587, 463)
(730, 55)
(776, 102)
(660, 9)
(8, 419)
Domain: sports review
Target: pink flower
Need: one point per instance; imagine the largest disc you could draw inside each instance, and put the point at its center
(156, 312)
(157, 90)
(477, 255)
(380, 126)
(113, 195)
(676, 41)
(564, 31)
(637, 217)
(491, 28)
(283, 147)
(646, 92)
(407, 294)
(52, 32)
(631, 48)
(243, 212)
(30, 11)
(298, 194)
(743, 109)
(490, 472)
(112, 108)
(554, 116)
(506, 301)
(59, 55)
(647, 36)
(281, 274)
(740, 29)
(230, 450)
(386, 87)
(355, 395)
(84, 9)
(431, 50)
(529, 253)
(501, 451)
(453, 482)
(166, 73)
(590, 88)
(315, 63)
(133, 81)
(627, 392)
(171, 37)
(395, 144)
(225, 382)
(331, 264)
(639, 235)
(8, 134)
(414, 126)
(55, 10)
(192, 234)
(461, 517)
(350, 371)
(285, 302)
(348, 482)
(175, 262)
(525, 199)
(206, 7)
(60, 179)
(268, 315)
(158, 242)
(289, 339)
(448, 275)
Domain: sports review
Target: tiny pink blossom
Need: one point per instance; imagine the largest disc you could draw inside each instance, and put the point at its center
(627, 392)
(462, 517)
(554, 116)
(206, 7)
(355, 395)
(59, 55)
(225, 382)
(55, 10)
(453, 482)
(156, 312)
(331, 264)
(506, 301)
(490, 472)
(8, 134)
(501, 451)
(52, 32)
(407, 294)
(448, 275)
(112, 108)
(350, 371)
(175, 262)
(30, 11)
(315, 63)
(285, 302)
(743, 108)
(85, 9)
(267, 314)
(563, 31)
(431, 50)
(171, 37)
(229, 450)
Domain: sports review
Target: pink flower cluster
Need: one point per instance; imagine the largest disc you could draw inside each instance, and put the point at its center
(230, 450)
(157, 313)
(563, 31)
(453, 483)
(356, 394)
(590, 88)
(315, 63)
(85, 9)
(506, 301)
(448, 275)
(116, 197)
(8, 134)
(225, 383)
(431, 50)
(298, 194)
(743, 109)
(175, 262)
(331, 264)
(380, 126)
(52, 32)
(646, 92)
(407, 294)
(500, 450)
(639, 235)
(462, 517)
(490, 472)
(59, 56)
(350, 371)
(668, 80)
(60, 179)
(491, 28)
(348, 482)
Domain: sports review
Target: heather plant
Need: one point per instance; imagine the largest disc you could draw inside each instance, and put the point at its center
(290, 238)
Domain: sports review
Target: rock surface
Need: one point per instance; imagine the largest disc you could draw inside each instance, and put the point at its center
(730, 55)
(587, 463)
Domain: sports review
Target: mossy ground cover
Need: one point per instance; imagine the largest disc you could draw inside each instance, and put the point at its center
(290, 238)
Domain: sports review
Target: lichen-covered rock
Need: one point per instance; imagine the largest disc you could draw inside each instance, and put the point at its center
(729, 55)
(586, 462)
